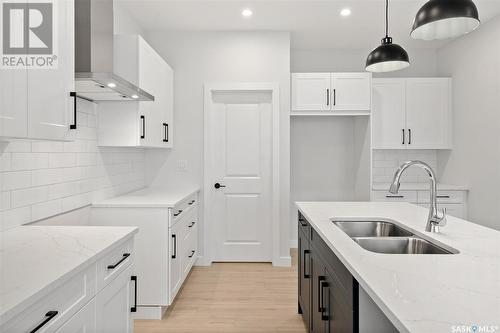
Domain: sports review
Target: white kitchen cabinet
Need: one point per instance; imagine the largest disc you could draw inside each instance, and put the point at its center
(331, 92)
(412, 113)
(35, 103)
(82, 322)
(139, 124)
(166, 246)
(113, 305)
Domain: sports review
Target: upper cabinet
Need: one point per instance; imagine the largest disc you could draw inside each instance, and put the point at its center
(337, 92)
(412, 113)
(146, 124)
(35, 99)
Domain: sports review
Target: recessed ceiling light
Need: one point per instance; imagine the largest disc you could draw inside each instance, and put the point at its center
(134, 96)
(112, 85)
(247, 12)
(345, 12)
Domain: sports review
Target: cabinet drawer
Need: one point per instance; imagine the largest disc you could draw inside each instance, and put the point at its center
(442, 196)
(66, 300)
(180, 210)
(114, 262)
(403, 196)
(189, 249)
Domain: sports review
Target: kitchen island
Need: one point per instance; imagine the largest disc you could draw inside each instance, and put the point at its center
(415, 292)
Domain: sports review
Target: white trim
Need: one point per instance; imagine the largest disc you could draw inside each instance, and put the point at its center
(244, 86)
(150, 312)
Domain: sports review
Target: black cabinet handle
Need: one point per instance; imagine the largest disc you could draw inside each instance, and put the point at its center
(48, 317)
(143, 124)
(327, 97)
(403, 136)
(165, 132)
(178, 212)
(394, 196)
(321, 279)
(443, 196)
(409, 136)
(302, 223)
(306, 275)
(73, 94)
(192, 224)
(134, 308)
(192, 202)
(334, 97)
(192, 253)
(174, 246)
(125, 256)
(325, 312)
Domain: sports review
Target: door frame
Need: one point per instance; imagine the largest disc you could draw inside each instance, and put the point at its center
(273, 88)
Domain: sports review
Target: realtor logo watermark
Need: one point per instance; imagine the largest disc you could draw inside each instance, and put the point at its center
(474, 328)
(28, 35)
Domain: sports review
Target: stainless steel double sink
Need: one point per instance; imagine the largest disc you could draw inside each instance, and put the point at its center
(387, 237)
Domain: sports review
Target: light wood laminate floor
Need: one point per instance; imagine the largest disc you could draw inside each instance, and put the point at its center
(233, 297)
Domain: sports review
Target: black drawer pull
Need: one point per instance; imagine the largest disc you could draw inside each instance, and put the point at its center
(178, 212)
(395, 196)
(73, 94)
(192, 224)
(192, 253)
(134, 308)
(306, 275)
(174, 246)
(143, 124)
(302, 223)
(48, 317)
(443, 196)
(321, 279)
(125, 256)
(165, 132)
(191, 202)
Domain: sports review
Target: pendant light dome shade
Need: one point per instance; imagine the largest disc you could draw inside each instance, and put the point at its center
(442, 19)
(387, 57)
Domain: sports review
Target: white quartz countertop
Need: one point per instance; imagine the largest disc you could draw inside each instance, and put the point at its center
(149, 197)
(33, 259)
(419, 293)
(419, 187)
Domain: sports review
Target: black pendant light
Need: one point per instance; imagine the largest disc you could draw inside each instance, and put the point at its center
(387, 57)
(441, 19)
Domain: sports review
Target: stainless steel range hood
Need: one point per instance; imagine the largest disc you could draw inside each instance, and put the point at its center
(95, 77)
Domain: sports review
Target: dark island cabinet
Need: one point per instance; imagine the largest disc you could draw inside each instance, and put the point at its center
(328, 293)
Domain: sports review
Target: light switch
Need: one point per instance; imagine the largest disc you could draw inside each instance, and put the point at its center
(182, 165)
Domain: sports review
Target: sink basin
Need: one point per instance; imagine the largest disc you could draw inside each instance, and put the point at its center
(401, 245)
(371, 229)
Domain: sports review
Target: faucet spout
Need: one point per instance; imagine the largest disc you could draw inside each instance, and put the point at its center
(435, 219)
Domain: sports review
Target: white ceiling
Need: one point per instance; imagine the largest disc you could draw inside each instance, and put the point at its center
(314, 24)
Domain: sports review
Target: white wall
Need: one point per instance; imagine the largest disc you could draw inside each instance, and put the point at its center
(474, 63)
(199, 57)
(39, 179)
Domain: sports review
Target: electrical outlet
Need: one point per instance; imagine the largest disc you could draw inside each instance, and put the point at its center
(182, 165)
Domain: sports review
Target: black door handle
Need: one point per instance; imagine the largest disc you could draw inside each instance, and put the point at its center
(125, 256)
(218, 185)
(143, 121)
(306, 275)
(165, 132)
(403, 135)
(134, 308)
(327, 97)
(174, 246)
(73, 94)
(334, 97)
(409, 136)
(48, 317)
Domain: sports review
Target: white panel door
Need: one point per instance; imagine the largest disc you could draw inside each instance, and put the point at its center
(82, 322)
(50, 107)
(311, 92)
(428, 113)
(351, 91)
(388, 114)
(241, 146)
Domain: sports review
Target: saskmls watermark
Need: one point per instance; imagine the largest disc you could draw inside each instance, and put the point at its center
(28, 36)
(474, 328)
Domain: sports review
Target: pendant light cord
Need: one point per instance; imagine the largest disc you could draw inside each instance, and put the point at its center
(386, 18)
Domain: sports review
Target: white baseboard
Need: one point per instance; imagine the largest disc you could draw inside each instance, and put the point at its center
(150, 312)
(202, 261)
(294, 243)
(285, 261)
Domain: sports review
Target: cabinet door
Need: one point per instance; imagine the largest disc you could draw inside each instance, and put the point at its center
(311, 92)
(318, 279)
(175, 271)
(50, 106)
(113, 305)
(167, 106)
(428, 113)
(304, 271)
(388, 114)
(338, 313)
(351, 91)
(82, 322)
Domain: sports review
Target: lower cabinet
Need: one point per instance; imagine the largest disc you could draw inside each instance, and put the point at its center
(328, 294)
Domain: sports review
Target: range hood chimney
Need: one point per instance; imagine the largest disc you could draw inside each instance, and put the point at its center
(95, 77)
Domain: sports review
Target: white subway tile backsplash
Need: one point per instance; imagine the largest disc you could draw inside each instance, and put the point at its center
(39, 179)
